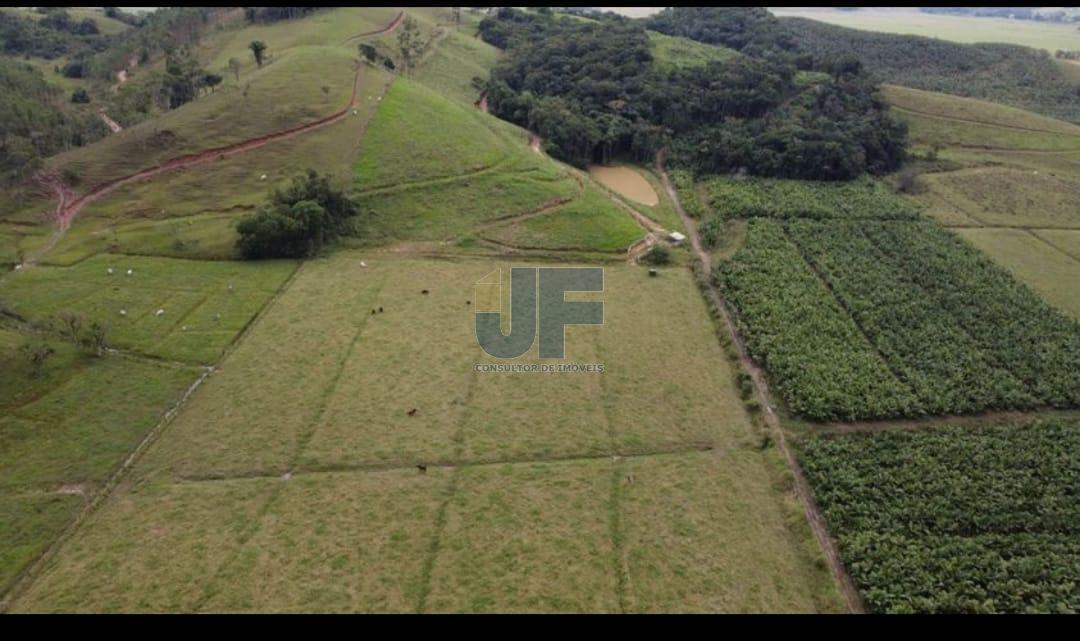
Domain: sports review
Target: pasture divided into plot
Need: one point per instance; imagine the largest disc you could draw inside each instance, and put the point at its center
(174, 309)
(63, 431)
(357, 527)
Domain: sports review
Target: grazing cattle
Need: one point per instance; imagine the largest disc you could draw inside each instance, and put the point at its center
(412, 412)
(380, 310)
(422, 468)
(423, 291)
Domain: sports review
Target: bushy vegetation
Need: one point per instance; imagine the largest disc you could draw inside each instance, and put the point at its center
(779, 198)
(1009, 74)
(954, 519)
(51, 36)
(33, 124)
(297, 221)
(588, 88)
(751, 30)
(274, 14)
(957, 332)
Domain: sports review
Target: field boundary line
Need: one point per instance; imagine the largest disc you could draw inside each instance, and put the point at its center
(975, 420)
(1031, 232)
(800, 484)
(983, 123)
(673, 450)
(432, 556)
(29, 574)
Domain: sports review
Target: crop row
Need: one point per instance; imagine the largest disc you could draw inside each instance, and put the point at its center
(1038, 344)
(819, 361)
(927, 346)
(779, 198)
(946, 330)
(954, 519)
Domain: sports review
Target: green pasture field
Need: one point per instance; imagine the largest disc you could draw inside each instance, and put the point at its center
(670, 52)
(288, 481)
(1065, 240)
(63, 430)
(1037, 262)
(420, 135)
(281, 95)
(206, 304)
(1004, 196)
(960, 109)
(591, 222)
(459, 58)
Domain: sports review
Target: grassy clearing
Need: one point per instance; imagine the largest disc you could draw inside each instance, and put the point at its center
(670, 52)
(953, 519)
(700, 536)
(420, 135)
(979, 111)
(1052, 273)
(929, 130)
(459, 58)
(1006, 196)
(444, 210)
(1065, 240)
(527, 538)
(27, 524)
(205, 304)
(591, 222)
(151, 547)
(335, 543)
(906, 20)
(63, 431)
(80, 430)
(105, 24)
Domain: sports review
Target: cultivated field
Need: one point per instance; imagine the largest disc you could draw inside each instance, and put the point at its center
(954, 519)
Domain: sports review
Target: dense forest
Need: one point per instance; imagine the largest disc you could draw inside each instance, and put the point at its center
(1010, 74)
(587, 88)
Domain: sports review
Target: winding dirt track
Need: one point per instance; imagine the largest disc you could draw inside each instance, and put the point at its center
(761, 386)
(69, 207)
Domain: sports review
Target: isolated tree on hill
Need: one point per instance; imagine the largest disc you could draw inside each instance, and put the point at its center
(297, 221)
(257, 48)
(211, 80)
(410, 43)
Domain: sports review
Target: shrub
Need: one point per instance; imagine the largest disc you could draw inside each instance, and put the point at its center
(657, 255)
(80, 96)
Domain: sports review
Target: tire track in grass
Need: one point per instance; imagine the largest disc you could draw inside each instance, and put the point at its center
(761, 388)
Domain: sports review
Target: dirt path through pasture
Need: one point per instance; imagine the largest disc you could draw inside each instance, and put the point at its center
(112, 124)
(761, 386)
(394, 24)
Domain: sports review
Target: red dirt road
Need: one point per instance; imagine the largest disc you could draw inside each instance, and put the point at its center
(70, 204)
